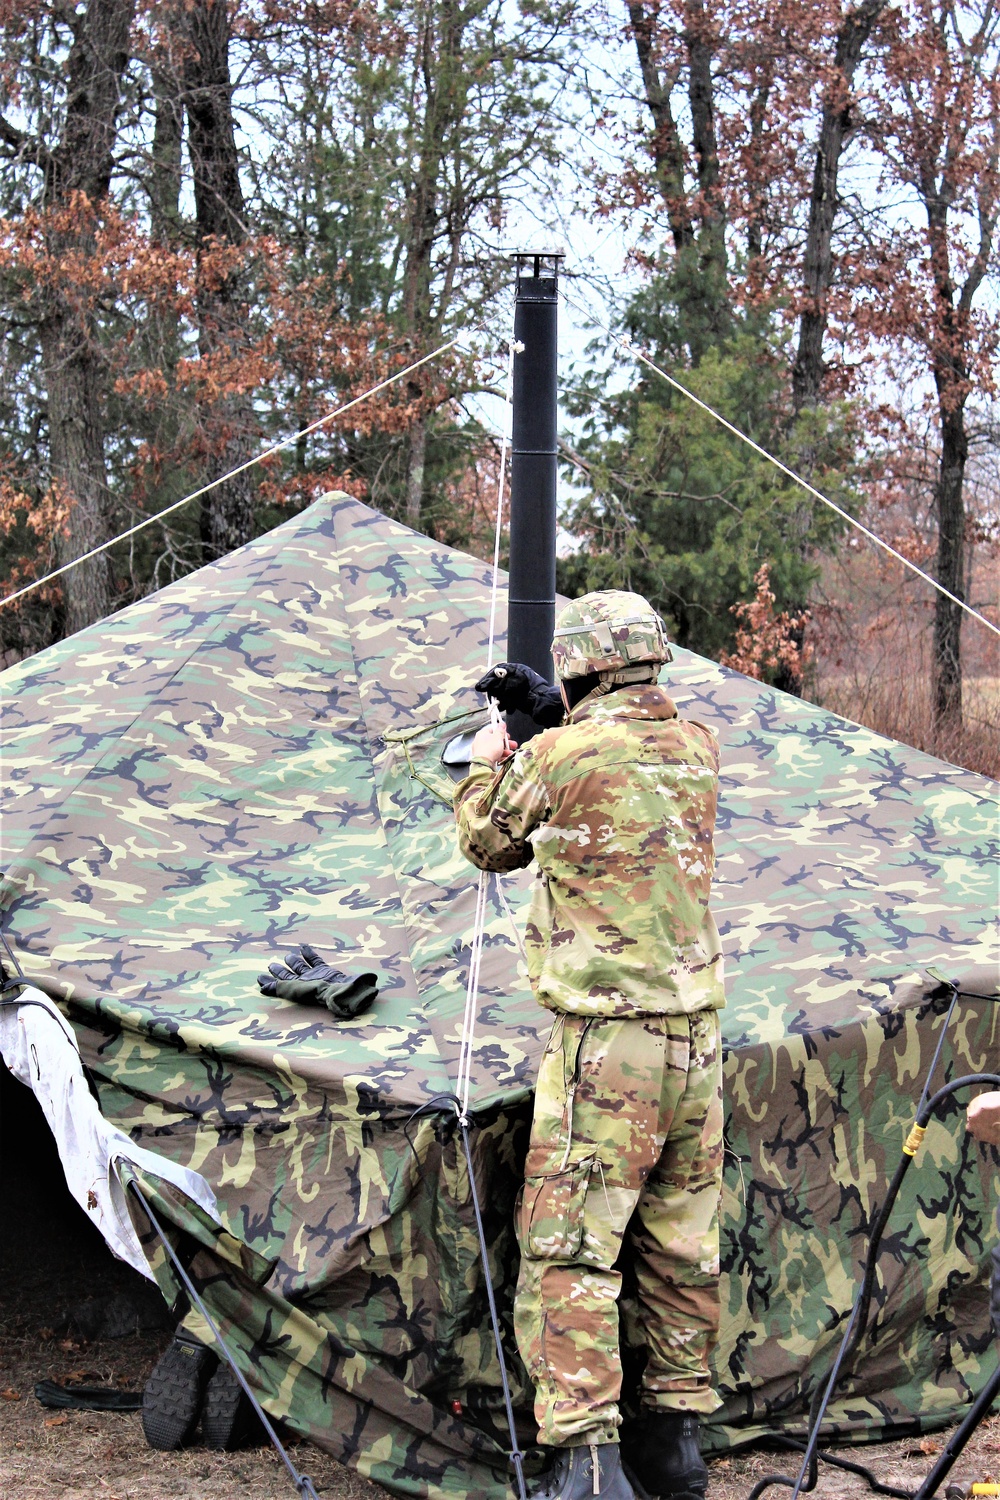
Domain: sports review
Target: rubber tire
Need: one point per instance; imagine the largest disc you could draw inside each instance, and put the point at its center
(172, 1398)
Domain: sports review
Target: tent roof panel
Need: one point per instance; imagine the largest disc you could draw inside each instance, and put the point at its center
(252, 757)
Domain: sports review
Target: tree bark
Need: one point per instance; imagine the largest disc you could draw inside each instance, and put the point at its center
(227, 513)
(446, 89)
(712, 262)
(74, 373)
(951, 380)
(218, 195)
(415, 472)
(165, 166)
(950, 503)
(835, 128)
(698, 229)
(666, 145)
(78, 175)
(939, 175)
(755, 225)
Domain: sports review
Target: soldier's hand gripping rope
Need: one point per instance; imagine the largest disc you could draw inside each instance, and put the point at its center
(517, 688)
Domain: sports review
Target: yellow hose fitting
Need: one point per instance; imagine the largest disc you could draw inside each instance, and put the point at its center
(913, 1140)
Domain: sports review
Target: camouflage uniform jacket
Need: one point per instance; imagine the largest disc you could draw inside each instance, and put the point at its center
(618, 808)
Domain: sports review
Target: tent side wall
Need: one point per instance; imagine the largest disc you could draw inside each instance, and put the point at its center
(370, 1365)
(815, 1129)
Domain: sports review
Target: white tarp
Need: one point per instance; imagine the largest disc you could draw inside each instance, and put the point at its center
(39, 1048)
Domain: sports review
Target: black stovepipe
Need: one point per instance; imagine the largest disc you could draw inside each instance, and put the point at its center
(531, 597)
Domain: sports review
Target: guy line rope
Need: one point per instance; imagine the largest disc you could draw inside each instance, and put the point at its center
(624, 344)
(461, 1100)
(482, 887)
(872, 536)
(468, 1029)
(240, 469)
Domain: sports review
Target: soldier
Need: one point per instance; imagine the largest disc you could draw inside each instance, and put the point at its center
(617, 806)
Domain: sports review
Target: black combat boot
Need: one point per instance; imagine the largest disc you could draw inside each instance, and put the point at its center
(228, 1420)
(661, 1456)
(580, 1473)
(172, 1399)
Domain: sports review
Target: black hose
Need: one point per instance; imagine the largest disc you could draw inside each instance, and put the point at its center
(850, 1467)
(303, 1484)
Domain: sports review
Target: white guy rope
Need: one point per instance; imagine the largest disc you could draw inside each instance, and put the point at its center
(479, 925)
(223, 478)
(791, 474)
(472, 995)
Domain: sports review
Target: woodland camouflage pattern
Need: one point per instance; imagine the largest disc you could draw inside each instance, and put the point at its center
(250, 759)
(591, 1165)
(617, 807)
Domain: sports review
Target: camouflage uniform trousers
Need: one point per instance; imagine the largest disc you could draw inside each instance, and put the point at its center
(626, 1139)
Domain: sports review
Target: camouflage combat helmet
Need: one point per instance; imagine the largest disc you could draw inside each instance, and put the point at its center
(610, 631)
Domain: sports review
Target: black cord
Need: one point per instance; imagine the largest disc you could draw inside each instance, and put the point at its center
(302, 1482)
(851, 1468)
(937, 1051)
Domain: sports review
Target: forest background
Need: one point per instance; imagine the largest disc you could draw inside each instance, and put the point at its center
(219, 222)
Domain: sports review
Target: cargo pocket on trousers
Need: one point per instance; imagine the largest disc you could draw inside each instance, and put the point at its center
(552, 1213)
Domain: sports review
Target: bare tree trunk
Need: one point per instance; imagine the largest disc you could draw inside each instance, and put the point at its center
(755, 226)
(446, 87)
(698, 228)
(951, 379)
(165, 167)
(161, 420)
(75, 379)
(950, 503)
(415, 472)
(835, 128)
(666, 145)
(227, 514)
(712, 261)
(78, 174)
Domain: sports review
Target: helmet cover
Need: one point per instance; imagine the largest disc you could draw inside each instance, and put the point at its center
(609, 631)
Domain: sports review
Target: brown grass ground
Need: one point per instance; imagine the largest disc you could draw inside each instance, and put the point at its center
(52, 1260)
(84, 1455)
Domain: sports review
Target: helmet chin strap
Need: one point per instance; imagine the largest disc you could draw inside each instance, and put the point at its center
(608, 681)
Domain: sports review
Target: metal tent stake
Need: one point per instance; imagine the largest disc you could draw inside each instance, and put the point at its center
(532, 587)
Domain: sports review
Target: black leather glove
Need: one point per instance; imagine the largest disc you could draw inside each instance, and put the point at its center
(520, 689)
(305, 977)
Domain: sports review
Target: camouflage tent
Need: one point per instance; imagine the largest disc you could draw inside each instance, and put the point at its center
(252, 757)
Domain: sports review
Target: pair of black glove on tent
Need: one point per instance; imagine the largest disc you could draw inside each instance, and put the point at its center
(305, 977)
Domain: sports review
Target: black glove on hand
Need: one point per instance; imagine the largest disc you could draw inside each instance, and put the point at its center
(310, 981)
(520, 689)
